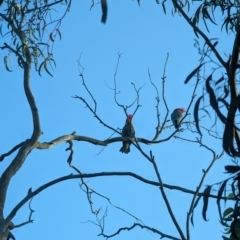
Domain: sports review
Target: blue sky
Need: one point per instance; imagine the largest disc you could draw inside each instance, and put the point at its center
(144, 36)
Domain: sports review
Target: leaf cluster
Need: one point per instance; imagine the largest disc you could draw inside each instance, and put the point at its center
(230, 217)
(27, 24)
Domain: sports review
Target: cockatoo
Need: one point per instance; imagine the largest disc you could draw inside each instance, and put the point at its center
(177, 116)
(127, 131)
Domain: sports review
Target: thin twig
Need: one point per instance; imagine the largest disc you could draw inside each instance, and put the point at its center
(11, 151)
(157, 106)
(166, 199)
(154, 230)
(163, 95)
(215, 157)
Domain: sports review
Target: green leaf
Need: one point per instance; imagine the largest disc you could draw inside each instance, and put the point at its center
(20, 62)
(196, 20)
(51, 37)
(213, 100)
(225, 238)
(219, 80)
(45, 67)
(225, 224)
(14, 41)
(40, 52)
(36, 63)
(232, 168)
(7, 59)
(230, 195)
(226, 91)
(40, 67)
(219, 196)
(104, 11)
(39, 31)
(195, 204)
(163, 6)
(207, 15)
(205, 110)
(206, 194)
(59, 33)
(52, 60)
(196, 119)
(193, 73)
(228, 211)
(206, 24)
(226, 22)
(33, 34)
(215, 44)
(227, 219)
(197, 13)
(220, 191)
(233, 187)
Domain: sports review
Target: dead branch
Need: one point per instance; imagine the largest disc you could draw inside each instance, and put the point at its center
(31, 194)
(154, 230)
(11, 151)
(166, 199)
(163, 95)
(30, 220)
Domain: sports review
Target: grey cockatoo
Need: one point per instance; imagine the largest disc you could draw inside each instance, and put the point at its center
(127, 131)
(177, 116)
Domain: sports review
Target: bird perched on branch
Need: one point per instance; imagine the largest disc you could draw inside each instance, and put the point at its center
(177, 116)
(127, 131)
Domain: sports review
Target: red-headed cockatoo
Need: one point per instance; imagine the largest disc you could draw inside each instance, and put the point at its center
(127, 131)
(177, 116)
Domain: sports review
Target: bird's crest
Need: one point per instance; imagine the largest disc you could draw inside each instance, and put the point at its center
(181, 110)
(130, 116)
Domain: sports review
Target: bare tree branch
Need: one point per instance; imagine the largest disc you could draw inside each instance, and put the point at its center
(190, 211)
(11, 151)
(92, 175)
(17, 162)
(29, 219)
(166, 199)
(154, 230)
(163, 95)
